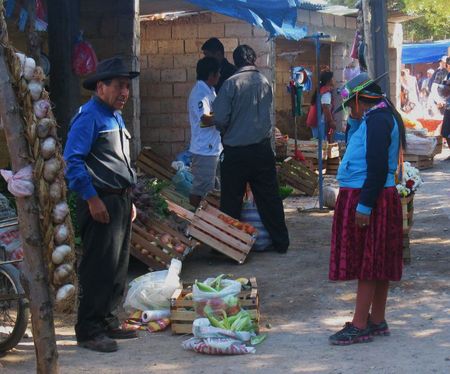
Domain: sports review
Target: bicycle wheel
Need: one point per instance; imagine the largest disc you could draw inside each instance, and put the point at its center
(14, 311)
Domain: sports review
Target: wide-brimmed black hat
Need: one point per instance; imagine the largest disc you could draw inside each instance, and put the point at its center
(108, 69)
(360, 83)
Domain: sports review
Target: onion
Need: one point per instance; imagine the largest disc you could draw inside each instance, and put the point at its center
(60, 253)
(60, 212)
(51, 169)
(55, 191)
(28, 69)
(35, 89)
(65, 292)
(61, 234)
(62, 273)
(48, 148)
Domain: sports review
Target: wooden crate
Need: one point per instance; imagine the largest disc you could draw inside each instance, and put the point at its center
(407, 212)
(170, 193)
(299, 176)
(147, 248)
(313, 165)
(419, 162)
(206, 226)
(182, 312)
(333, 165)
(438, 149)
(154, 165)
(309, 149)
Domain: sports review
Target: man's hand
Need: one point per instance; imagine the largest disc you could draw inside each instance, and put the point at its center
(133, 212)
(207, 120)
(362, 220)
(98, 210)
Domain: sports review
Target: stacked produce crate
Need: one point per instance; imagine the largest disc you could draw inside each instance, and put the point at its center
(309, 149)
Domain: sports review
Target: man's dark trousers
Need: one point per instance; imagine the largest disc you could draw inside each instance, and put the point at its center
(254, 164)
(104, 265)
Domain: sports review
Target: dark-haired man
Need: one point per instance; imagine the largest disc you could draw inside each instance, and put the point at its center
(205, 139)
(242, 113)
(99, 170)
(214, 48)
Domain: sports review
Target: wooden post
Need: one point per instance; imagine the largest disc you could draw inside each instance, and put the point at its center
(63, 28)
(375, 36)
(34, 271)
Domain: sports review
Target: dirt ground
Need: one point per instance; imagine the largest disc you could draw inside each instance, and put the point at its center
(301, 308)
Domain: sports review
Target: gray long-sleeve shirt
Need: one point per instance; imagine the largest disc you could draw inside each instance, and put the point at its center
(242, 108)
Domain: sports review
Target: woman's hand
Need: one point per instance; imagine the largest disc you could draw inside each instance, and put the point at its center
(362, 220)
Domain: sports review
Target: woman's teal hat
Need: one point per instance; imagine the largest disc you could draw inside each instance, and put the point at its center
(355, 86)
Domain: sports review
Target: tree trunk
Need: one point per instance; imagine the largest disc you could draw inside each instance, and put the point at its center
(63, 28)
(375, 36)
(34, 271)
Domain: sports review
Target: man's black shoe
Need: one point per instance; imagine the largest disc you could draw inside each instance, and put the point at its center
(120, 333)
(100, 343)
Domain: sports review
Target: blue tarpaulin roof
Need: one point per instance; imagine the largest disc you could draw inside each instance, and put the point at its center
(278, 17)
(424, 52)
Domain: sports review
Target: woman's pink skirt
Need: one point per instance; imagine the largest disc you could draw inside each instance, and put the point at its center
(374, 252)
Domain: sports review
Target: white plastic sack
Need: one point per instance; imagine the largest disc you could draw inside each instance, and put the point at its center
(153, 291)
(330, 195)
(21, 183)
(417, 145)
(250, 214)
(218, 346)
(201, 328)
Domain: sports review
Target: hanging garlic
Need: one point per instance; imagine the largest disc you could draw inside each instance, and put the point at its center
(60, 212)
(51, 169)
(48, 148)
(65, 292)
(28, 69)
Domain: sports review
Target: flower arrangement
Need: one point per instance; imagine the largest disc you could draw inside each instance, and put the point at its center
(411, 180)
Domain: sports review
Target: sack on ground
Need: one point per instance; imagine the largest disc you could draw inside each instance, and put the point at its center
(251, 215)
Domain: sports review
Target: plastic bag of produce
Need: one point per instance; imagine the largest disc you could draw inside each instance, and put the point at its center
(217, 346)
(152, 291)
(422, 146)
(182, 181)
(202, 328)
(250, 214)
(215, 296)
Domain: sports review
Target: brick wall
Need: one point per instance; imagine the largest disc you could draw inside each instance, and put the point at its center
(112, 27)
(169, 54)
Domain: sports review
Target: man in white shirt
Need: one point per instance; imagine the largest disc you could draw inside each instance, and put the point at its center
(205, 139)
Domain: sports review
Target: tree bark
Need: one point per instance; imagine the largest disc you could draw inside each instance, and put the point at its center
(34, 270)
(375, 36)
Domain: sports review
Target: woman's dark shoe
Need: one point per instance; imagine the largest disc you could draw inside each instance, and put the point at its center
(350, 334)
(99, 343)
(379, 329)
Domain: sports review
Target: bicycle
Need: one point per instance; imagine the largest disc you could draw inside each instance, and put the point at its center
(14, 306)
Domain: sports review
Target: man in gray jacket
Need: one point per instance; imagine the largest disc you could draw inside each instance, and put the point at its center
(242, 115)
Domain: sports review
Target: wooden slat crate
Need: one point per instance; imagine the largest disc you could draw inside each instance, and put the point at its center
(182, 312)
(438, 149)
(333, 165)
(213, 198)
(297, 175)
(206, 226)
(154, 165)
(408, 214)
(419, 162)
(309, 149)
(147, 248)
(313, 165)
(173, 195)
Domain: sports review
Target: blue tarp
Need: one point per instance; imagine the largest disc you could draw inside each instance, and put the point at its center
(424, 52)
(278, 17)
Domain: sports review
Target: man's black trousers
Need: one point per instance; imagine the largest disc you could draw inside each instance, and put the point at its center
(104, 265)
(254, 164)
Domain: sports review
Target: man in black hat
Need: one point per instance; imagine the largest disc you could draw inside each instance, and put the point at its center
(99, 170)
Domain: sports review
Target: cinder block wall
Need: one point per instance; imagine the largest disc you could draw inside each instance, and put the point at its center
(169, 54)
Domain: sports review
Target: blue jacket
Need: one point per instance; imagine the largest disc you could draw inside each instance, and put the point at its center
(371, 159)
(97, 152)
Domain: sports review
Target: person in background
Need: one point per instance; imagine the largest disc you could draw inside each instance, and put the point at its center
(367, 233)
(419, 79)
(97, 155)
(205, 143)
(242, 114)
(445, 93)
(214, 48)
(426, 81)
(440, 74)
(326, 86)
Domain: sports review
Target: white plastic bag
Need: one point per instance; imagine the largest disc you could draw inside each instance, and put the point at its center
(21, 183)
(417, 145)
(152, 291)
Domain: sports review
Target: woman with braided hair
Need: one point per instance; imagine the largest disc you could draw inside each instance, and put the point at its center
(367, 234)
